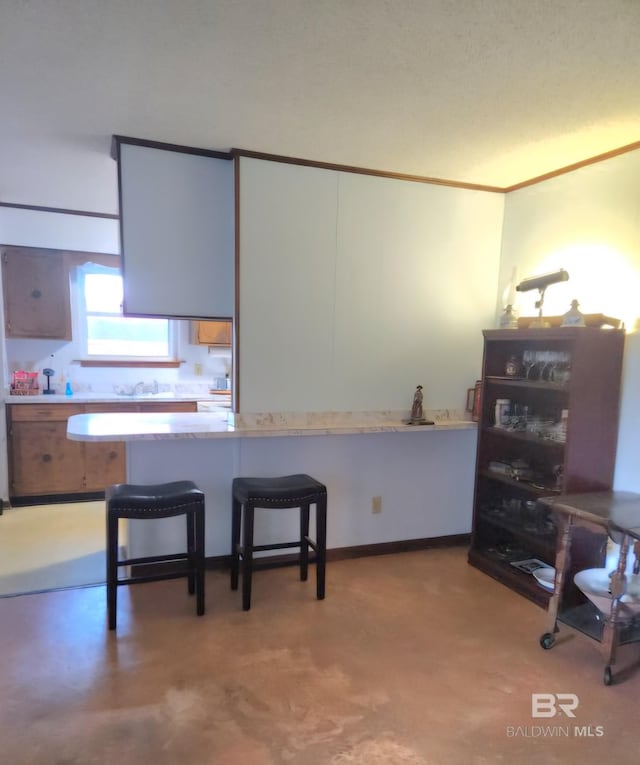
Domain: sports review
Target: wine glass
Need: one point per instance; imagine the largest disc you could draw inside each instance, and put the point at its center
(545, 358)
(528, 361)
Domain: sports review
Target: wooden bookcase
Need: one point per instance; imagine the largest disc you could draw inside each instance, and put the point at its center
(558, 434)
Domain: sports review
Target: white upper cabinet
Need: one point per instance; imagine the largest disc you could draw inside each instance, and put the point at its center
(177, 230)
(354, 288)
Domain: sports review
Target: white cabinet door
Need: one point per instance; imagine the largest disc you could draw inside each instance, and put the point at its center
(177, 229)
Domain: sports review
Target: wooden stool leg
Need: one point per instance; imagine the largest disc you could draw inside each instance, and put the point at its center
(247, 556)
(112, 568)
(304, 543)
(191, 551)
(199, 559)
(236, 514)
(321, 543)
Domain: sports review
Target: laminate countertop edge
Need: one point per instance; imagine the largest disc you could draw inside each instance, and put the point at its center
(220, 424)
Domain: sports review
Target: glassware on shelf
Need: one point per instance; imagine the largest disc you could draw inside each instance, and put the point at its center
(561, 370)
(549, 361)
(546, 366)
(502, 410)
(528, 362)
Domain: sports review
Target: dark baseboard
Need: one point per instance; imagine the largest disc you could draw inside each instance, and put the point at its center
(219, 562)
(390, 548)
(55, 499)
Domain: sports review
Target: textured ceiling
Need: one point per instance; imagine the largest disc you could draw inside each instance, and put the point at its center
(482, 91)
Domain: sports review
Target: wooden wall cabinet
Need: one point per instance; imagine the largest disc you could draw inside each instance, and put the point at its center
(212, 333)
(36, 293)
(43, 462)
(558, 434)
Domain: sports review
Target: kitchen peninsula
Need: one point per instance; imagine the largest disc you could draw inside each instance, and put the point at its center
(421, 475)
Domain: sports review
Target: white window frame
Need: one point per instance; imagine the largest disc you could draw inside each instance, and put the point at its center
(80, 323)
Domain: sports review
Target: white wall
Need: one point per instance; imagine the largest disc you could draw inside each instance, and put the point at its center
(354, 289)
(36, 228)
(588, 222)
(425, 479)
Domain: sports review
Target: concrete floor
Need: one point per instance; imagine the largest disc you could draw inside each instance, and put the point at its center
(414, 659)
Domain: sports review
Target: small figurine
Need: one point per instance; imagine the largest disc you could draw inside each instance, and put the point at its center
(573, 317)
(508, 320)
(416, 409)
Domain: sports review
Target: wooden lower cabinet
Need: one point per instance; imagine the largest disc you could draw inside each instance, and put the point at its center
(43, 462)
(104, 464)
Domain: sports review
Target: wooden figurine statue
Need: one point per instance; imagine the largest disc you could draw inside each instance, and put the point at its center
(416, 409)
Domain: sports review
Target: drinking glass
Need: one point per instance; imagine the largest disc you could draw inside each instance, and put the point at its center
(528, 361)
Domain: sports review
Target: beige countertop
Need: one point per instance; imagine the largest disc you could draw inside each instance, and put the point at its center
(113, 398)
(222, 424)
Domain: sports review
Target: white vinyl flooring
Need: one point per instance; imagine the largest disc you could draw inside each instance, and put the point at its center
(46, 547)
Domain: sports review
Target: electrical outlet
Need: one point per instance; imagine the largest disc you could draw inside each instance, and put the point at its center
(197, 368)
(376, 505)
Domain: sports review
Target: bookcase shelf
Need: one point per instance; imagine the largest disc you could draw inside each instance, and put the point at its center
(507, 516)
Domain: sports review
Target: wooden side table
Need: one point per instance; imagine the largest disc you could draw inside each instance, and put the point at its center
(617, 516)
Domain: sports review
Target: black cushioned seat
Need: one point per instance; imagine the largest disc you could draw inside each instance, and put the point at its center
(163, 500)
(250, 494)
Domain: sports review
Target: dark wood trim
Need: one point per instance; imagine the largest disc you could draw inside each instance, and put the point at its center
(139, 364)
(365, 171)
(575, 166)
(404, 545)
(118, 140)
(61, 210)
(54, 499)
(235, 353)
(219, 562)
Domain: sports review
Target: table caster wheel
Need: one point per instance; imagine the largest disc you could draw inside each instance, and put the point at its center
(608, 676)
(547, 640)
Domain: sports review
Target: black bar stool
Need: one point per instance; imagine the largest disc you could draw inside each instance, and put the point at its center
(301, 491)
(163, 500)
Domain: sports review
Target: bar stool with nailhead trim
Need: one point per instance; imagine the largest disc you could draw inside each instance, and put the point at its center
(163, 500)
(250, 494)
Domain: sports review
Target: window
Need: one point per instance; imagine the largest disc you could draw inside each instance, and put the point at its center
(109, 334)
